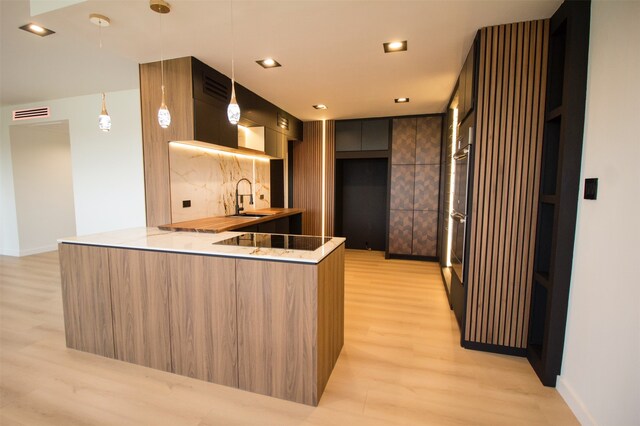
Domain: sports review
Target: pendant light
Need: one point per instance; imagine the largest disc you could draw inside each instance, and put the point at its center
(164, 116)
(104, 120)
(233, 110)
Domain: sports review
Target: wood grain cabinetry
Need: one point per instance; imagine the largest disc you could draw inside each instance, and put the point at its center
(415, 186)
(86, 298)
(203, 318)
(140, 306)
(274, 328)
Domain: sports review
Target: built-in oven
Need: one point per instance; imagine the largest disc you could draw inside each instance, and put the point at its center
(458, 212)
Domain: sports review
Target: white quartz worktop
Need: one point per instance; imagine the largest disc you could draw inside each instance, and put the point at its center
(199, 243)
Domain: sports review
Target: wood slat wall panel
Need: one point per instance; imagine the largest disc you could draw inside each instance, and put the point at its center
(307, 177)
(508, 147)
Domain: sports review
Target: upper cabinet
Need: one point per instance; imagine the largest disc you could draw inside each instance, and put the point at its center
(198, 96)
(466, 86)
(362, 135)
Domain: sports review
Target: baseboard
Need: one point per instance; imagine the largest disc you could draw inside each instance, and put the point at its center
(9, 252)
(37, 250)
(575, 404)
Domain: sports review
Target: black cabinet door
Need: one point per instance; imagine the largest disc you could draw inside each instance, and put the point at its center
(468, 71)
(375, 135)
(349, 135)
(211, 125)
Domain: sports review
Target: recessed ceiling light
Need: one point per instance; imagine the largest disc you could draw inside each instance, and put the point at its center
(268, 63)
(320, 106)
(401, 100)
(395, 46)
(37, 30)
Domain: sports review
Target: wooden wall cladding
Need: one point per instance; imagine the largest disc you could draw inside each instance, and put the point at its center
(155, 139)
(510, 112)
(307, 177)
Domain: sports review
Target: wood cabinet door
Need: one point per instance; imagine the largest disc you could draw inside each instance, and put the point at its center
(276, 329)
(425, 233)
(203, 317)
(86, 298)
(140, 296)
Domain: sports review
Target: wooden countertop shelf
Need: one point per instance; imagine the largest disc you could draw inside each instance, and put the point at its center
(218, 224)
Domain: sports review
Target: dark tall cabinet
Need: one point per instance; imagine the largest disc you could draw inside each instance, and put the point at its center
(559, 186)
(415, 186)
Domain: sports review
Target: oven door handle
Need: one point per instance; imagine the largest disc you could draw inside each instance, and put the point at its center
(459, 217)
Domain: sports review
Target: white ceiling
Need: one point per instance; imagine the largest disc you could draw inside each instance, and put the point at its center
(330, 51)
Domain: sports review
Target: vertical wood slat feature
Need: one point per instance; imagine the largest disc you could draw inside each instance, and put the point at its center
(155, 149)
(86, 298)
(203, 318)
(307, 177)
(507, 155)
(140, 295)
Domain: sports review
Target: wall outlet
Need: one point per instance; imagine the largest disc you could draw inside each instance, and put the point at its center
(262, 196)
(186, 203)
(591, 189)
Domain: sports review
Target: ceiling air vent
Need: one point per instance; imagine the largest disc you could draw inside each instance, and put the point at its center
(215, 89)
(27, 114)
(283, 122)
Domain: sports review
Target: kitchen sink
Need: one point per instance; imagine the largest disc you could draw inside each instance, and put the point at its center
(249, 215)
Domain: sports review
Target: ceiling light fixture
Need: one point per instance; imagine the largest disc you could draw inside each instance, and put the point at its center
(104, 120)
(161, 7)
(401, 100)
(395, 46)
(320, 106)
(37, 29)
(268, 63)
(233, 110)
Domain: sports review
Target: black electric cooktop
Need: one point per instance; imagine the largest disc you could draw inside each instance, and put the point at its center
(289, 242)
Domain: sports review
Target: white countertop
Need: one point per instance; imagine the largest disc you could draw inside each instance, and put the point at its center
(199, 243)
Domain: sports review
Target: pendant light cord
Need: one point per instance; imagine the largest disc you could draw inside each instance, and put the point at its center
(161, 59)
(233, 71)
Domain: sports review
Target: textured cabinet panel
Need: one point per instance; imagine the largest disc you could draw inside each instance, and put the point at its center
(140, 291)
(400, 231)
(402, 182)
(425, 233)
(203, 318)
(427, 187)
(428, 138)
(86, 298)
(404, 141)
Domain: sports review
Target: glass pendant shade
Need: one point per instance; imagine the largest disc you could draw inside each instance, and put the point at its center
(104, 121)
(233, 110)
(164, 116)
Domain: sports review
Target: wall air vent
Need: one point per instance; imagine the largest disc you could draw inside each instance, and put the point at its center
(27, 114)
(215, 89)
(283, 122)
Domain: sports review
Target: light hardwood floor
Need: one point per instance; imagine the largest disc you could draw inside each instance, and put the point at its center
(401, 364)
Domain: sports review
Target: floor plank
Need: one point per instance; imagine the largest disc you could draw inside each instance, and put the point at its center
(401, 364)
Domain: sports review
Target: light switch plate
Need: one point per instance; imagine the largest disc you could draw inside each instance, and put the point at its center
(591, 189)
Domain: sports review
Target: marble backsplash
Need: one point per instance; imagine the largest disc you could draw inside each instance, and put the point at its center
(209, 178)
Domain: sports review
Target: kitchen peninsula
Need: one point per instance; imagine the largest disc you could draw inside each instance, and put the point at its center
(259, 312)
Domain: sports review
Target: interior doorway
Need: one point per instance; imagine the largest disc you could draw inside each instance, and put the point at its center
(361, 202)
(43, 184)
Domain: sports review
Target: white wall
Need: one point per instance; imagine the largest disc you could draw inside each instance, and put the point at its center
(43, 184)
(600, 377)
(108, 179)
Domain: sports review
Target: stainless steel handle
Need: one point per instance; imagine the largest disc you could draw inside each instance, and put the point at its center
(461, 155)
(458, 217)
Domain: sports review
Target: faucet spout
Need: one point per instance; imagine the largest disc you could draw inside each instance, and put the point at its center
(240, 197)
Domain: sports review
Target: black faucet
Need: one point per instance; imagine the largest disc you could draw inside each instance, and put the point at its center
(240, 197)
